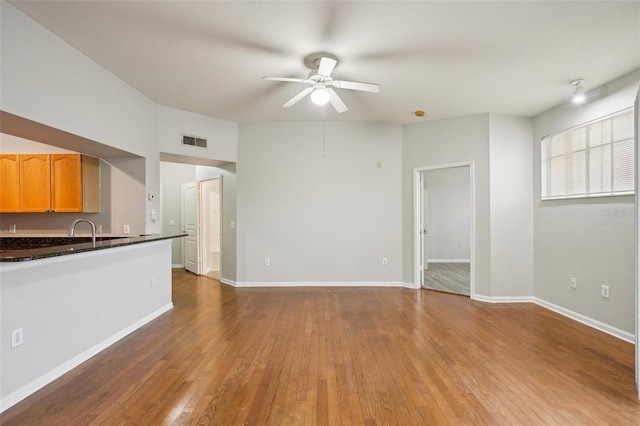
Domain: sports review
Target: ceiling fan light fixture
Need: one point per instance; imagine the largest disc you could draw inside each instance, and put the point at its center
(320, 96)
(579, 95)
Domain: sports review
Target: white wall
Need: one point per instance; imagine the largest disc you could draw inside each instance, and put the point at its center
(319, 219)
(47, 81)
(172, 176)
(511, 177)
(221, 135)
(448, 214)
(589, 239)
(444, 142)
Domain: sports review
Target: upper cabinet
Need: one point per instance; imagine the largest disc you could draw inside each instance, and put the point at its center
(49, 183)
(10, 183)
(35, 183)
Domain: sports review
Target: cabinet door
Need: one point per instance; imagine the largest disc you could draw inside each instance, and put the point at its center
(35, 182)
(10, 183)
(66, 183)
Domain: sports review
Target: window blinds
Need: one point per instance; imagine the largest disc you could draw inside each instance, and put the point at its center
(595, 159)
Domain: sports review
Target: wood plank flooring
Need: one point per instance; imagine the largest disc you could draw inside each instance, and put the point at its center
(449, 277)
(344, 356)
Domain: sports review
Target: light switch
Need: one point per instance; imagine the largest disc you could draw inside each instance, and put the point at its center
(233, 224)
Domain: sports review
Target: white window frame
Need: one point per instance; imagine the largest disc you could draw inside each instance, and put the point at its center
(546, 157)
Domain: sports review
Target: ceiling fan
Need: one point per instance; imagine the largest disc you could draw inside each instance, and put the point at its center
(322, 84)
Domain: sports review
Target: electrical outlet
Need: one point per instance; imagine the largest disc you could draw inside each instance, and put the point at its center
(385, 261)
(267, 261)
(125, 229)
(605, 291)
(574, 282)
(17, 337)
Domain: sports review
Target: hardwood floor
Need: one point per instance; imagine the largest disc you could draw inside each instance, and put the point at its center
(329, 356)
(449, 277)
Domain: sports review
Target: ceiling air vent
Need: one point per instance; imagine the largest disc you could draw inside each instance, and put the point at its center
(194, 141)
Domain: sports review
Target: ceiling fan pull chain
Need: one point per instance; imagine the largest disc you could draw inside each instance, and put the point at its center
(324, 154)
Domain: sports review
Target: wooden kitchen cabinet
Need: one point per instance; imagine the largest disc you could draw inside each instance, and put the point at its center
(35, 183)
(10, 183)
(66, 183)
(49, 183)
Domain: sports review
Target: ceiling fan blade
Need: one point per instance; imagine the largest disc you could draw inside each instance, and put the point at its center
(335, 100)
(354, 85)
(326, 66)
(297, 97)
(293, 80)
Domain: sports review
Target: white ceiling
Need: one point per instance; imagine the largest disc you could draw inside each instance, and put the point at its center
(446, 58)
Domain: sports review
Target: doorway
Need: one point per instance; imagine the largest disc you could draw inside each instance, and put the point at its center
(443, 228)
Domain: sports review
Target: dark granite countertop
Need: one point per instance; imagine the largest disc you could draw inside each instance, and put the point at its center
(14, 250)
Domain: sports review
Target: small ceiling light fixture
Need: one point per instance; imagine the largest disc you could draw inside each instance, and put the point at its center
(578, 91)
(320, 96)
(419, 113)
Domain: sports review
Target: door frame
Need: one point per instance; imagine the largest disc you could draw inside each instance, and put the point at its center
(418, 215)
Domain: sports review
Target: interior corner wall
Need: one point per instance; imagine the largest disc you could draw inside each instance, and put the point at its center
(320, 219)
(511, 182)
(442, 142)
(228, 237)
(589, 239)
(47, 81)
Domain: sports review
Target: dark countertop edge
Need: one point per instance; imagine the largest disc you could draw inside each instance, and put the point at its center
(56, 251)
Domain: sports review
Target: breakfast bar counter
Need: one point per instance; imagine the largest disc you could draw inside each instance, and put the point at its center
(20, 249)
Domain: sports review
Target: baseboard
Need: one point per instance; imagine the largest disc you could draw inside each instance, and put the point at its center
(228, 282)
(30, 388)
(449, 261)
(323, 284)
(605, 328)
(177, 266)
(502, 299)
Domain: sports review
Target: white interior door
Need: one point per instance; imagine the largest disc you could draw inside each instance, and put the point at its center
(190, 212)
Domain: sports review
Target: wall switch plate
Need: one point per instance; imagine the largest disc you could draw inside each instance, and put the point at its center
(17, 337)
(233, 224)
(605, 291)
(153, 282)
(574, 282)
(126, 229)
(171, 222)
(385, 261)
(267, 261)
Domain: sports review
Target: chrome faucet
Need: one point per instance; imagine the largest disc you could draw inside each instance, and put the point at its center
(72, 230)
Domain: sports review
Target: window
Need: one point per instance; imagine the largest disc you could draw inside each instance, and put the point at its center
(592, 160)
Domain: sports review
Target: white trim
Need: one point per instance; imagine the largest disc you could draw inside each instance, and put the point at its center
(449, 260)
(177, 266)
(325, 284)
(228, 282)
(37, 384)
(411, 286)
(605, 328)
(503, 299)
